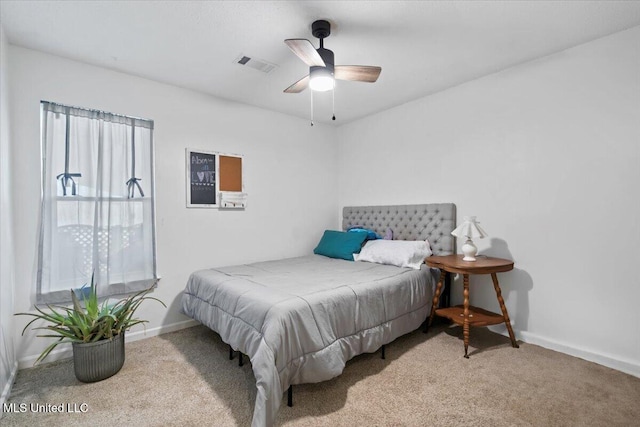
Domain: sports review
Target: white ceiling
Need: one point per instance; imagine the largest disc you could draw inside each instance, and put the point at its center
(422, 46)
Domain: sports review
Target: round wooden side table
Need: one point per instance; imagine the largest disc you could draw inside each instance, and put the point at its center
(466, 315)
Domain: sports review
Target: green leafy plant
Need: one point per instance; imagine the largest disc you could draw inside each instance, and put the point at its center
(89, 321)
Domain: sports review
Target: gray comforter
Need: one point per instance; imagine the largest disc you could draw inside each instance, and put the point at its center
(301, 319)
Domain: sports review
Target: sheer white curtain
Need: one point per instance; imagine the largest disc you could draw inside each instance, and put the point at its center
(98, 203)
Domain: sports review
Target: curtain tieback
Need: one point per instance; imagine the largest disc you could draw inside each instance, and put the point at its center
(131, 187)
(64, 180)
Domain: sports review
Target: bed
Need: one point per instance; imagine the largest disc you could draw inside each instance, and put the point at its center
(299, 320)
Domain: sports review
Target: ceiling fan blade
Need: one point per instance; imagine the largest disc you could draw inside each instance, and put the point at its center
(298, 86)
(305, 51)
(357, 73)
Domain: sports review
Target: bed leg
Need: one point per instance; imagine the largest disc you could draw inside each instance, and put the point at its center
(240, 361)
(382, 355)
(290, 396)
(230, 353)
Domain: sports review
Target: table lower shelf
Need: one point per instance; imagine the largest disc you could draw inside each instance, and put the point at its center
(477, 316)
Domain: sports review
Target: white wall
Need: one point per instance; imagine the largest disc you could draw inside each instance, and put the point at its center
(547, 155)
(8, 365)
(290, 176)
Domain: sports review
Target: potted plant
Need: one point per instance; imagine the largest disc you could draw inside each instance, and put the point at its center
(95, 330)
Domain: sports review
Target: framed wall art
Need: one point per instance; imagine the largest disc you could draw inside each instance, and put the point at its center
(214, 180)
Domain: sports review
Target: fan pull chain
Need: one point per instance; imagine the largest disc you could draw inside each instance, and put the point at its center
(333, 101)
(311, 91)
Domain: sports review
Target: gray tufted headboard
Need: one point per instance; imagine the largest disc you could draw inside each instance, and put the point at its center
(433, 222)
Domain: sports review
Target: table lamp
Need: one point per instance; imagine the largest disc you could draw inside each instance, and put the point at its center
(469, 229)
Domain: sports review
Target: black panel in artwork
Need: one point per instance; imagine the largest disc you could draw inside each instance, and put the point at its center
(203, 178)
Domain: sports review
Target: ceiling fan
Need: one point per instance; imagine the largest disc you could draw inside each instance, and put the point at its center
(322, 68)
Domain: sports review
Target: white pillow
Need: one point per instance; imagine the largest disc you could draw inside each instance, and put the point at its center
(402, 253)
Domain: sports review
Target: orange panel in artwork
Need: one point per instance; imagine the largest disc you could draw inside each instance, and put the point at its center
(230, 173)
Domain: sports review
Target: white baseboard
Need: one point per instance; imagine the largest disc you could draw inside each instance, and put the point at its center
(627, 366)
(65, 351)
(164, 329)
(7, 388)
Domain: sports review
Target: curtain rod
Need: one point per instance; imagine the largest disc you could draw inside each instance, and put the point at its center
(64, 109)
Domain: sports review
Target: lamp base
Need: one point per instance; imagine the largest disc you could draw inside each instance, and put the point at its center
(469, 250)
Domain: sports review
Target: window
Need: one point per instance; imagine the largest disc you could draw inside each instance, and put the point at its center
(97, 215)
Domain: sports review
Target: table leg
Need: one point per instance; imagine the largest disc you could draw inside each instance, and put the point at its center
(507, 321)
(465, 325)
(436, 299)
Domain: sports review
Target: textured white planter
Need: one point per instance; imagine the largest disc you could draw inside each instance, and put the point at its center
(98, 360)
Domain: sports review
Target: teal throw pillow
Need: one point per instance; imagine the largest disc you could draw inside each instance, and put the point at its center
(340, 244)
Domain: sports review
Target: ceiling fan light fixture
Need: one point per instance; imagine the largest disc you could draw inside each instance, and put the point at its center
(322, 69)
(321, 79)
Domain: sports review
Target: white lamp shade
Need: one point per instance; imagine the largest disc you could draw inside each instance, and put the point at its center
(469, 229)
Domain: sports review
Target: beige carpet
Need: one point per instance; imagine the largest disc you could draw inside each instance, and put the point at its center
(185, 379)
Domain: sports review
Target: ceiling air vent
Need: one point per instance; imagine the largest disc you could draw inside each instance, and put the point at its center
(255, 63)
